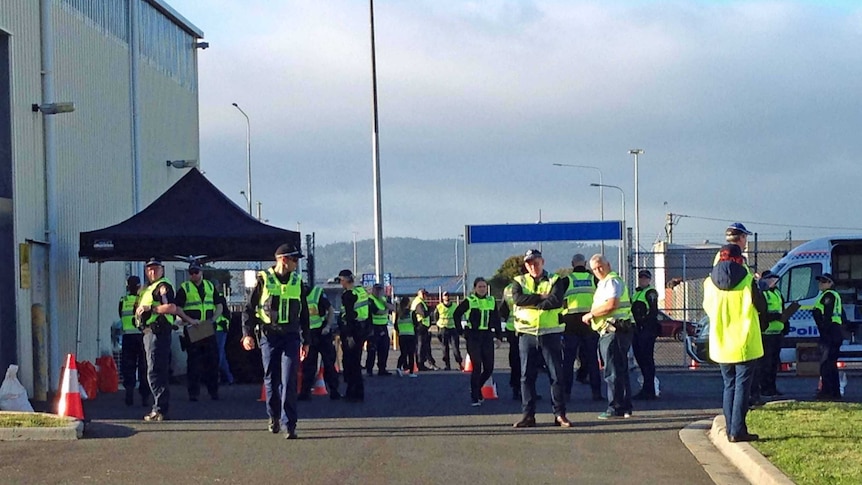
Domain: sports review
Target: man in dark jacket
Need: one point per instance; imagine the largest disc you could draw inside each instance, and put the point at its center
(645, 313)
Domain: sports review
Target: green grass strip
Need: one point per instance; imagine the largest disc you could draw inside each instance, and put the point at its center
(31, 420)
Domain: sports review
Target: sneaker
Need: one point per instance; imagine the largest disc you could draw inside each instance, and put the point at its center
(607, 415)
(154, 416)
(627, 414)
(743, 437)
(291, 435)
(481, 400)
(476, 403)
(399, 372)
(414, 375)
(562, 422)
(526, 422)
(273, 426)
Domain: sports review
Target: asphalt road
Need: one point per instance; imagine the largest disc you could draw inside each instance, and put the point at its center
(407, 430)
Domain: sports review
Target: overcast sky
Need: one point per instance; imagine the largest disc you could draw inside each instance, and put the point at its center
(746, 111)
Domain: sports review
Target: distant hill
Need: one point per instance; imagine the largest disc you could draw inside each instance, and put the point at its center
(419, 257)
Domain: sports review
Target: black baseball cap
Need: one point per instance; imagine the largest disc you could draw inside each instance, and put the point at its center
(768, 274)
(345, 273)
(825, 277)
(644, 273)
(737, 228)
(194, 265)
(133, 281)
(289, 250)
(154, 262)
(532, 254)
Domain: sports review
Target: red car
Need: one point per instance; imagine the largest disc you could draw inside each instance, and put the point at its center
(671, 327)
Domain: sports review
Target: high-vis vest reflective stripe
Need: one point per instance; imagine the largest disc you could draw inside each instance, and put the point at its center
(361, 305)
(622, 312)
(195, 307)
(147, 300)
(579, 295)
(444, 315)
(836, 307)
(734, 326)
(510, 302)
(426, 320)
(530, 320)
(128, 313)
(285, 299)
(405, 326)
(315, 319)
(774, 304)
(378, 317)
(483, 305)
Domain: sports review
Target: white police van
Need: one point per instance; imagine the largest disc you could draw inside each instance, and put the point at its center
(839, 255)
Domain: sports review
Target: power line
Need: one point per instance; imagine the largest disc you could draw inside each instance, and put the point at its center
(760, 223)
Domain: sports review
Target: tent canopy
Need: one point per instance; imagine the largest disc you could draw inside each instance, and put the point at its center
(192, 218)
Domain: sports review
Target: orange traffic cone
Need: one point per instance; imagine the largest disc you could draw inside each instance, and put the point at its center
(320, 385)
(70, 394)
(489, 390)
(262, 393)
(785, 367)
(468, 364)
(694, 365)
(415, 367)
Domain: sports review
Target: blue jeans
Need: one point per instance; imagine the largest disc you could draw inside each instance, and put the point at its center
(531, 349)
(737, 388)
(280, 355)
(224, 367)
(614, 349)
(157, 346)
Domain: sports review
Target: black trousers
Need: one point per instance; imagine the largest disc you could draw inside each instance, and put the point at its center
(377, 348)
(452, 340)
(480, 346)
(423, 335)
(351, 349)
(408, 352)
(643, 346)
(514, 362)
(133, 365)
(323, 346)
(202, 366)
(769, 363)
(157, 346)
(830, 345)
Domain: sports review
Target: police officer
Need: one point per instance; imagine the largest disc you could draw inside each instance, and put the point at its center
(579, 341)
(197, 297)
(827, 316)
(278, 309)
(422, 318)
(222, 330)
(378, 340)
(155, 317)
(507, 313)
(132, 356)
(538, 297)
(354, 328)
(406, 340)
(645, 313)
(611, 317)
(321, 329)
(482, 319)
(448, 328)
(772, 329)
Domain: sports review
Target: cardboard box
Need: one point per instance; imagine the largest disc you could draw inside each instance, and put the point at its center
(807, 360)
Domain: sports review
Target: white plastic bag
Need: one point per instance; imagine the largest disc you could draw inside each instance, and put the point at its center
(13, 396)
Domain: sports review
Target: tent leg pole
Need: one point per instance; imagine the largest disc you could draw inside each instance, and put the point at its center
(98, 311)
(80, 296)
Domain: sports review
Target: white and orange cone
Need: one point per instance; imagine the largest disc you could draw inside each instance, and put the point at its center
(468, 364)
(489, 390)
(70, 393)
(319, 385)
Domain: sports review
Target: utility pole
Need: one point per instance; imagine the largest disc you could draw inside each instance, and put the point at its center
(669, 228)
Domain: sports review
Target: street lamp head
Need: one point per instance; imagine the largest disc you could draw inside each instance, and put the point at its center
(636, 151)
(235, 105)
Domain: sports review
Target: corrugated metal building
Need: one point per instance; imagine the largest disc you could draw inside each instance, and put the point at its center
(130, 69)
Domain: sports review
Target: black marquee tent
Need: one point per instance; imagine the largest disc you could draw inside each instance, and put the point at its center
(192, 218)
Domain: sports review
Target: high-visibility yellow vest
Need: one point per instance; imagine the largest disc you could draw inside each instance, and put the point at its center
(361, 305)
(222, 322)
(147, 300)
(774, 304)
(579, 295)
(510, 302)
(426, 320)
(127, 313)
(194, 306)
(836, 307)
(288, 296)
(379, 317)
(405, 326)
(482, 305)
(734, 326)
(622, 312)
(444, 315)
(315, 319)
(531, 321)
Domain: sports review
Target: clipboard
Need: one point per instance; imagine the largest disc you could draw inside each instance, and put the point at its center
(196, 333)
(789, 311)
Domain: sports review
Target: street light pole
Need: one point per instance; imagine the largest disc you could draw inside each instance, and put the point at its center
(456, 256)
(636, 152)
(622, 235)
(601, 190)
(247, 154)
(354, 252)
(375, 149)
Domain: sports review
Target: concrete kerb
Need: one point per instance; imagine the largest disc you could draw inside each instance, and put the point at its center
(73, 430)
(753, 465)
